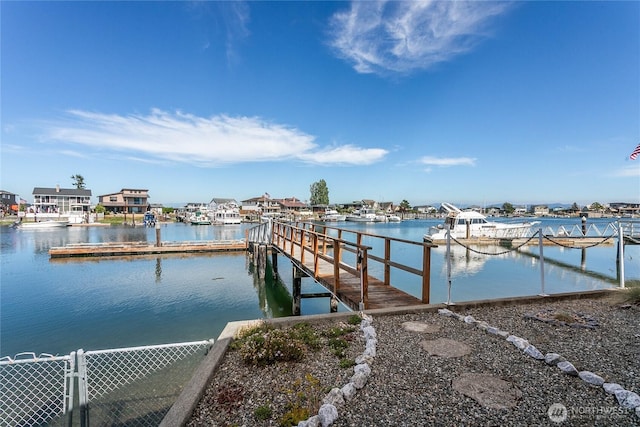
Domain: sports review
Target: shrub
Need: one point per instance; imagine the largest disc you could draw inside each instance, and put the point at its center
(262, 413)
(268, 346)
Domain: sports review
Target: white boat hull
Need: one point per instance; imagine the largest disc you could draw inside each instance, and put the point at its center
(473, 225)
(42, 224)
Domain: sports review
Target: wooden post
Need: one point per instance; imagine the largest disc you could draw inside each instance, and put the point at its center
(262, 260)
(387, 258)
(337, 253)
(274, 262)
(426, 273)
(297, 290)
(158, 240)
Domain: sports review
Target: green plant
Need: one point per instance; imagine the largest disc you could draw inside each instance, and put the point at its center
(354, 319)
(347, 363)
(632, 292)
(305, 333)
(262, 413)
(304, 398)
(338, 346)
(269, 346)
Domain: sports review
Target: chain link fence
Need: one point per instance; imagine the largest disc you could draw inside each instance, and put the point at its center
(133, 386)
(35, 390)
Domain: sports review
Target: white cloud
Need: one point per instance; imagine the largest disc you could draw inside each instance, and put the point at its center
(346, 155)
(201, 141)
(403, 36)
(447, 161)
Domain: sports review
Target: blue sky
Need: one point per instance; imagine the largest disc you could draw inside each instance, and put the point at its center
(470, 103)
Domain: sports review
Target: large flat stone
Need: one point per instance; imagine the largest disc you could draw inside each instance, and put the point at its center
(445, 347)
(488, 390)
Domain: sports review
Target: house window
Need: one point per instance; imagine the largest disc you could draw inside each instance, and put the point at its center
(113, 198)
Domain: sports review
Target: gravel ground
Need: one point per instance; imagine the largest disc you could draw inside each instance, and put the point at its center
(410, 387)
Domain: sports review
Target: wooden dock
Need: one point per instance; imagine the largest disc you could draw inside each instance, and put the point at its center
(144, 248)
(348, 280)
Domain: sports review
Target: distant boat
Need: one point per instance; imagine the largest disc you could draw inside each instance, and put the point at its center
(332, 215)
(226, 216)
(362, 215)
(199, 218)
(42, 224)
(393, 218)
(473, 225)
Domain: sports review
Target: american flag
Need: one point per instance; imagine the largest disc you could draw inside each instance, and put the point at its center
(635, 153)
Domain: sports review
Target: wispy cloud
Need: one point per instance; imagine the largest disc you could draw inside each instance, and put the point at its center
(404, 36)
(201, 141)
(447, 161)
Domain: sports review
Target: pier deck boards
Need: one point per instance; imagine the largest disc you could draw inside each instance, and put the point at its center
(144, 248)
(379, 294)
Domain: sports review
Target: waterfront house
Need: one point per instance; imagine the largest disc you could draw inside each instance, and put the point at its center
(222, 203)
(127, 200)
(263, 205)
(8, 203)
(541, 210)
(292, 206)
(61, 201)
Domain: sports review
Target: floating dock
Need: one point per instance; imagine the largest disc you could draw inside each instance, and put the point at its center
(144, 248)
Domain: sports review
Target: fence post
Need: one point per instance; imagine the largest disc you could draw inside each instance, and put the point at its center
(620, 255)
(448, 256)
(540, 245)
(387, 258)
(337, 254)
(364, 281)
(426, 273)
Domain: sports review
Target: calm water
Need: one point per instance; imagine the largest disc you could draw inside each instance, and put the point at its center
(53, 306)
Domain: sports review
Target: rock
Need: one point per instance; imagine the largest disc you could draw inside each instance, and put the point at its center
(591, 378)
(365, 358)
(421, 327)
(638, 412)
(503, 334)
(445, 347)
(487, 390)
(611, 388)
(311, 422)
(348, 391)
(369, 332)
(359, 380)
(553, 359)
(533, 352)
(520, 343)
(470, 320)
(362, 368)
(327, 415)
(482, 325)
(493, 330)
(334, 397)
(628, 399)
(445, 312)
(568, 368)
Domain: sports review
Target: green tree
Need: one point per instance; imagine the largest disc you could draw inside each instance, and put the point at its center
(595, 206)
(100, 209)
(508, 208)
(319, 193)
(575, 207)
(78, 181)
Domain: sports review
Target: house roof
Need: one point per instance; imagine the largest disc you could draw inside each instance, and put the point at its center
(61, 191)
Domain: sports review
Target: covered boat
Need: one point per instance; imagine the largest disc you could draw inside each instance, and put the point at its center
(470, 224)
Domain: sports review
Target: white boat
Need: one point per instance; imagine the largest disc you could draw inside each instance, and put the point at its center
(332, 215)
(393, 218)
(473, 225)
(225, 216)
(362, 215)
(42, 224)
(199, 218)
